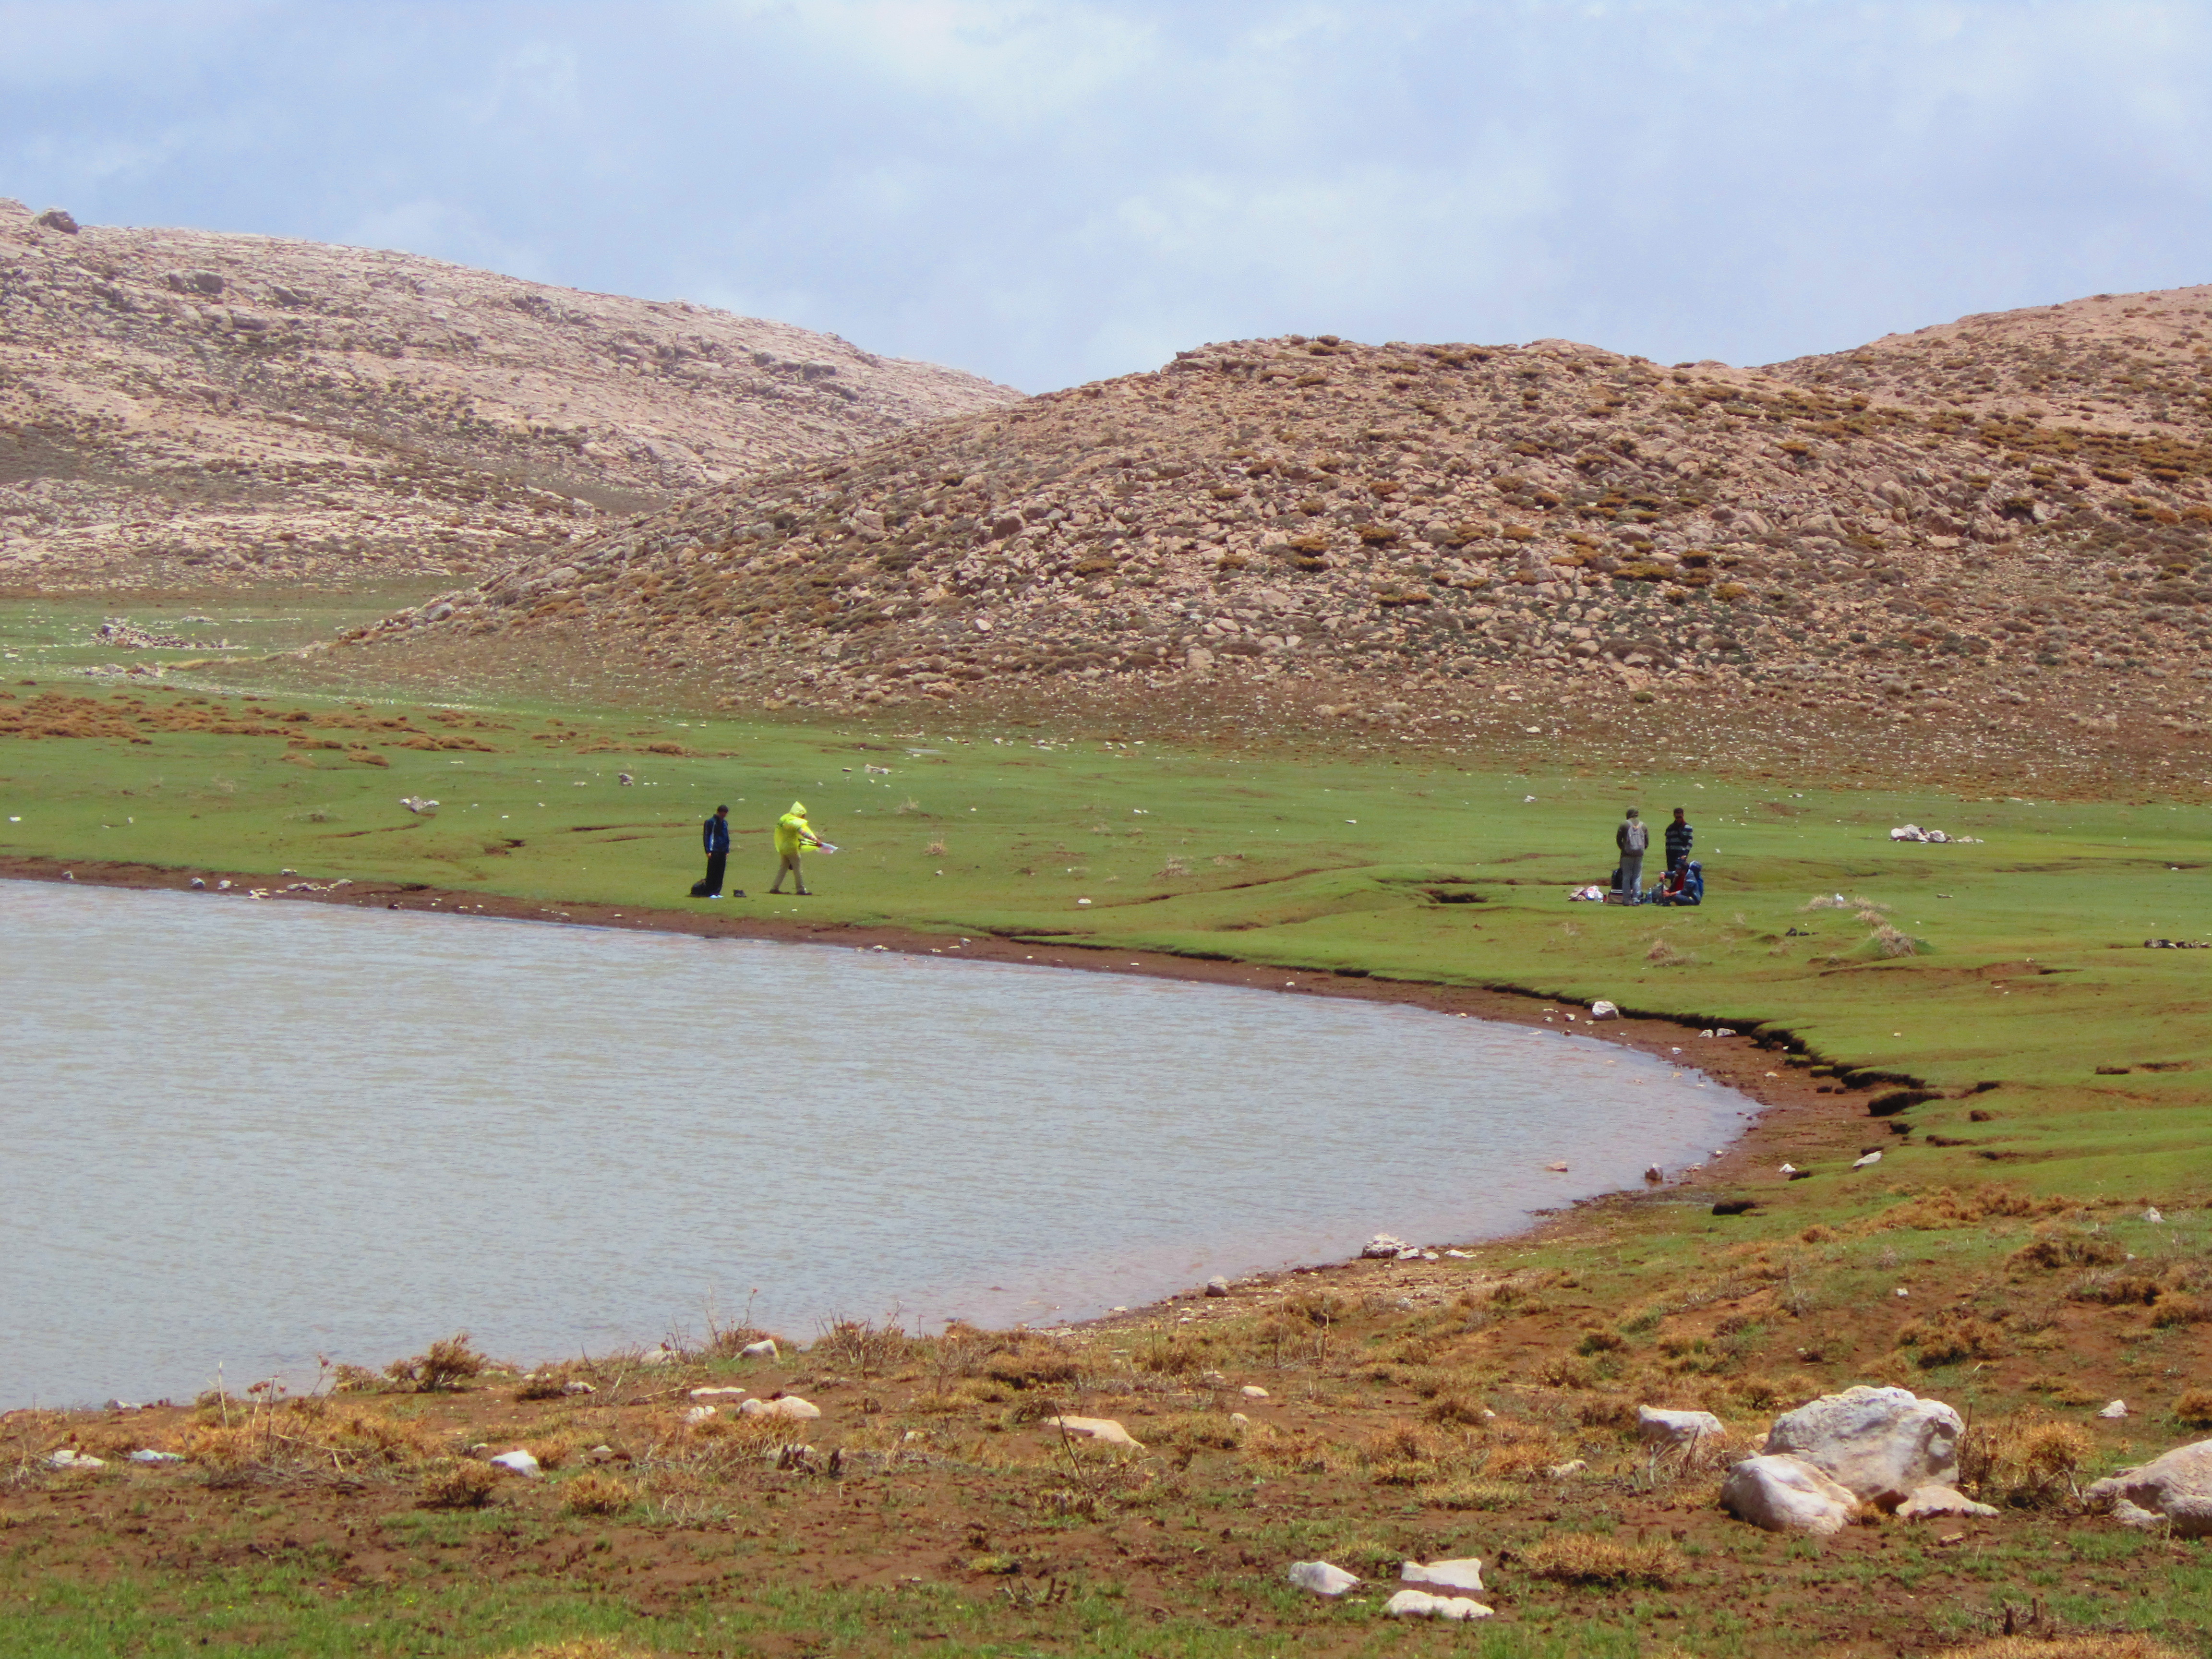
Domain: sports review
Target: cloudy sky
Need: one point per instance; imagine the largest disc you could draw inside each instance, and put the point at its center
(1050, 191)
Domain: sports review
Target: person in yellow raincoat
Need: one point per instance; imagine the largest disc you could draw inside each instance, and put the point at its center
(792, 833)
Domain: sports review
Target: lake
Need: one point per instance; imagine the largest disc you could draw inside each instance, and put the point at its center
(241, 1134)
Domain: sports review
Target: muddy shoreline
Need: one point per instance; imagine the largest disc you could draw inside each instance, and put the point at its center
(1800, 1119)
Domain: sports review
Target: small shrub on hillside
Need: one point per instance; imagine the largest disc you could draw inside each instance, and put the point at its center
(2024, 1461)
(2194, 1408)
(2116, 1288)
(1578, 1558)
(1949, 1338)
(597, 1493)
(444, 1365)
(2062, 1246)
(1032, 1365)
(466, 1486)
(1473, 1494)
(2173, 1310)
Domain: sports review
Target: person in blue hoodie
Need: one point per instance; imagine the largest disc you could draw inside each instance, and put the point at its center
(715, 836)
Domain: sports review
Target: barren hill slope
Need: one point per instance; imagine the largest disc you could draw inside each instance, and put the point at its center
(1395, 526)
(178, 404)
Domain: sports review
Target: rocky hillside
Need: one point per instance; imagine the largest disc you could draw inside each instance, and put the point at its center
(176, 404)
(1977, 503)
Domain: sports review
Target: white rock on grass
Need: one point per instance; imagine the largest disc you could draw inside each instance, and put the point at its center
(147, 1455)
(1881, 1443)
(2117, 1408)
(763, 1349)
(69, 1458)
(1420, 1604)
(1933, 1499)
(1868, 1162)
(789, 1405)
(1658, 1427)
(1253, 1391)
(1321, 1578)
(1603, 1010)
(518, 1462)
(1786, 1494)
(720, 1394)
(1105, 1429)
(699, 1413)
(2175, 1487)
(1462, 1574)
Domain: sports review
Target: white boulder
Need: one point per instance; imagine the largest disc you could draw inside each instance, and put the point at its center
(720, 1394)
(1253, 1391)
(789, 1405)
(518, 1462)
(1384, 1246)
(1420, 1604)
(1321, 1578)
(699, 1413)
(1881, 1443)
(1656, 1427)
(763, 1349)
(2176, 1488)
(1603, 1010)
(1463, 1574)
(1786, 1494)
(148, 1454)
(69, 1458)
(1104, 1429)
(2114, 1409)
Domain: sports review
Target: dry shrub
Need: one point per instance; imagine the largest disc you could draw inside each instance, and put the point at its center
(1580, 1557)
(2116, 1287)
(583, 1647)
(444, 1365)
(2194, 1408)
(1043, 1365)
(2173, 1310)
(2063, 1247)
(466, 1486)
(1662, 954)
(2066, 1647)
(2027, 1460)
(1607, 1411)
(1402, 1453)
(1819, 1233)
(1473, 1494)
(1566, 1371)
(1281, 1450)
(1944, 1209)
(1196, 1431)
(1889, 941)
(597, 1493)
(862, 1347)
(1455, 1408)
(1950, 1337)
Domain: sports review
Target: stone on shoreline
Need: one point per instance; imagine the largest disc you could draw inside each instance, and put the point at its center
(763, 1349)
(1383, 1246)
(1603, 1010)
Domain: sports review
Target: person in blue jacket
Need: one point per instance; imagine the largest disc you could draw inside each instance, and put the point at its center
(715, 835)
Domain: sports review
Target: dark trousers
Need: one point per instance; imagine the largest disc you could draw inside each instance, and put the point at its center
(716, 863)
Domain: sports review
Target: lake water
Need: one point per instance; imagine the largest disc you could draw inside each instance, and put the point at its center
(243, 1134)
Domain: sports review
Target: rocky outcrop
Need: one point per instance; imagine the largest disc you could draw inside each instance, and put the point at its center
(182, 405)
(1413, 523)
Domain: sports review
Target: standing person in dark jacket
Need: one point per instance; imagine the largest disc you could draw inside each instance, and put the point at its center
(1631, 838)
(1678, 836)
(715, 837)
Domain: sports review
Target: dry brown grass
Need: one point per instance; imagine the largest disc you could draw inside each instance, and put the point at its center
(1582, 1557)
(445, 1363)
(2066, 1647)
(583, 1647)
(2025, 1460)
(2194, 1407)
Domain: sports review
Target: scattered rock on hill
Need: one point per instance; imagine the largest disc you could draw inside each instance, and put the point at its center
(1786, 1494)
(1879, 1444)
(2175, 1487)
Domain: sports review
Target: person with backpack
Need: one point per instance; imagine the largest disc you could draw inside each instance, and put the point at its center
(714, 835)
(1679, 837)
(1633, 837)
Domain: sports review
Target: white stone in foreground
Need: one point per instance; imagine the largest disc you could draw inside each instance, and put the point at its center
(1879, 1444)
(1658, 1427)
(763, 1349)
(69, 1458)
(147, 1455)
(1420, 1604)
(720, 1394)
(518, 1462)
(2176, 1488)
(1253, 1391)
(1104, 1429)
(2115, 1409)
(1463, 1574)
(1933, 1500)
(1786, 1494)
(1321, 1578)
(1603, 1010)
(789, 1405)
